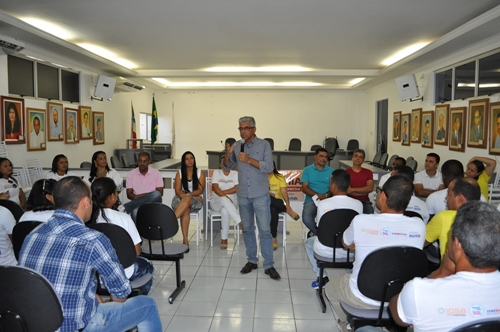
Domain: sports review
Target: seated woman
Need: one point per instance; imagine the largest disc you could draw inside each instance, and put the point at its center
(277, 190)
(59, 168)
(104, 196)
(189, 185)
(476, 170)
(40, 203)
(9, 188)
(224, 200)
(100, 169)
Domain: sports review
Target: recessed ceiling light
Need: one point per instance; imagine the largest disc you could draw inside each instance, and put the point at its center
(356, 80)
(107, 54)
(264, 69)
(403, 53)
(49, 27)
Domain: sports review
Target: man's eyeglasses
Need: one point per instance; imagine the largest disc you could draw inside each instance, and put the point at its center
(245, 128)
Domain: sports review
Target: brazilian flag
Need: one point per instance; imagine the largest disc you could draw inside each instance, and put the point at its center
(154, 123)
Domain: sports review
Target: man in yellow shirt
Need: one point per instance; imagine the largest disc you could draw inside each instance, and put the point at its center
(460, 191)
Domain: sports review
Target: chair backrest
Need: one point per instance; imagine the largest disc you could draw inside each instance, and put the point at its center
(21, 177)
(14, 208)
(115, 162)
(409, 158)
(376, 158)
(29, 303)
(33, 169)
(384, 271)
(331, 145)
(124, 159)
(156, 221)
(482, 325)
(86, 165)
(410, 214)
(295, 144)
(315, 147)
(20, 232)
(271, 142)
(120, 240)
(383, 159)
(353, 144)
(229, 141)
(412, 164)
(136, 156)
(332, 225)
(391, 160)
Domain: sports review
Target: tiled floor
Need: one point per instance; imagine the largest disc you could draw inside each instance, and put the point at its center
(219, 298)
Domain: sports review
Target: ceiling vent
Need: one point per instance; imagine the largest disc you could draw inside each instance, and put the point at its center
(124, 85)
(10, 45)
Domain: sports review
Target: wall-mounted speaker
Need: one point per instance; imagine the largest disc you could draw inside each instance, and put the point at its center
(407, 87)
(105, 87)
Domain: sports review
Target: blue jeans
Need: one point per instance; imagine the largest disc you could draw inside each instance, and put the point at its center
(134, 205)
(309, 245)
(309, 216)
(369, 329)
(258, 206)
(137, 311)
(141, 267)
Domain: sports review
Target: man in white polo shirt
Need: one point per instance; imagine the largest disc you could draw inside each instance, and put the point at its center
(436, 202)
(429, 180)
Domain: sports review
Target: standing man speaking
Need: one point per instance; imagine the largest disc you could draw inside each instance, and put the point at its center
(255, 160)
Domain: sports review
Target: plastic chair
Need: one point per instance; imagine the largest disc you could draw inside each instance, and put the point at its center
(125, 162)
(391, 161)
(382, 275)
(86, 165)
(20, 232)
(229, 141)
(376, 159)
(383, 161)
(315, 147)
(115, 162)
(271, 142)
(331, 145)
(295, 144)
(330, 230)
(481, 325)
(157, 223)
(14, 208)
(29, 303)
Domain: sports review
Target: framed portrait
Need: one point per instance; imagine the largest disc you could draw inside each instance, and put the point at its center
(98, 121)
(478, 121)
(71, 119)
(55, 121)
(416, 124)
(85, 128)
(406, 125)
(13, 120)
(495, 128)
(458, 122)
(427, 129)
(396, 123)
(441, 124)
(36, 125)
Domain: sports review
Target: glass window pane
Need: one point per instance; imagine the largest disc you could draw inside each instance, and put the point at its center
(443, 89)
(20, 76)
(489, 75)
(47, 81)
(70, 86)
(465, 76)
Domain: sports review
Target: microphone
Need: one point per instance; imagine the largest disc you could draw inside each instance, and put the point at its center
(242, 146)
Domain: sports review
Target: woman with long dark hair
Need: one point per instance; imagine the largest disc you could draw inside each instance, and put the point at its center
(12, 122)
(189, 185)
(59, 168)
(100, 169)
(40, 203)
(477, 170)
(9, 188)
(104, 197)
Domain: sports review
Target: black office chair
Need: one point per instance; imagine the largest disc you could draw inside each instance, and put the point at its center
(14, 208)
(382, 275)
(136, 156)
(229, 141)
(125, 162)
(315, 147)
(125, 250)
(19, 233)
(352, 145)
(157, 222)
(86, 165)
(295, 144)
(410, 213)
(115, 162)
(330, 230)
(29, 303)
(481, 325)
(331, 145)
(271, 142)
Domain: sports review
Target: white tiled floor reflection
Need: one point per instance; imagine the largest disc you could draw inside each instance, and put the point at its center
(218, 298)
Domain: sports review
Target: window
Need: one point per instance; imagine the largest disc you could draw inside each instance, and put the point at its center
(70, 84)
(489, 75)
(465, 80)
(443, 86)
(47, 78)
(21, 76)
(145, 130)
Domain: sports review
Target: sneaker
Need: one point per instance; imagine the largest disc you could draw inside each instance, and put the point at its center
(272, 273)
(344, 326)
(315, 283)
(248, 268)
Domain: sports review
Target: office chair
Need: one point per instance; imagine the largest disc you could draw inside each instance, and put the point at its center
(14, 208)
(271, 142)
(20, 232)
(295, 144)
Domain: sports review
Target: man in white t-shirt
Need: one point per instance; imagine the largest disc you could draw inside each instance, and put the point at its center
(399, 161)
(7, 223)
(436, 202)
(429, 180)
(339, 182)
(415, 205)
(467, 285)
(372, 232)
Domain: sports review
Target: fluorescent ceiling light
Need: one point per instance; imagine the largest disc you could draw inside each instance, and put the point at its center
(49, 27)
(32, 57)
(234, 84)
(403, 53)
(265, 69)
(124, 62)
(58, 65)
(102, 52)
(481, 86)
(356, 80)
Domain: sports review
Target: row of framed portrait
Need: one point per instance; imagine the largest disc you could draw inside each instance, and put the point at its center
(453, 127)
(36, 126)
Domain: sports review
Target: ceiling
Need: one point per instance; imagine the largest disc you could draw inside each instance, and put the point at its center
(339, 40)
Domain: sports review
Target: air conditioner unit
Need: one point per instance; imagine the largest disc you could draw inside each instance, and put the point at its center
(10, 45)
(124, 85)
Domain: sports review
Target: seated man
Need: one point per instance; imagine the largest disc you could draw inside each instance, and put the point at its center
(392, 202)
(416, 205)
(361, 181)
(144, 185)
(436, 202)
(429, 180)
(69, 254)
(460, 191)
(467, 285)
(399, 161)
(339, 182)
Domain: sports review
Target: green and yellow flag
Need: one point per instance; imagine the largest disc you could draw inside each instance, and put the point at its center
(154, 123)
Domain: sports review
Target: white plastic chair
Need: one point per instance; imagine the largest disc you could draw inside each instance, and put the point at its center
(33, 170)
